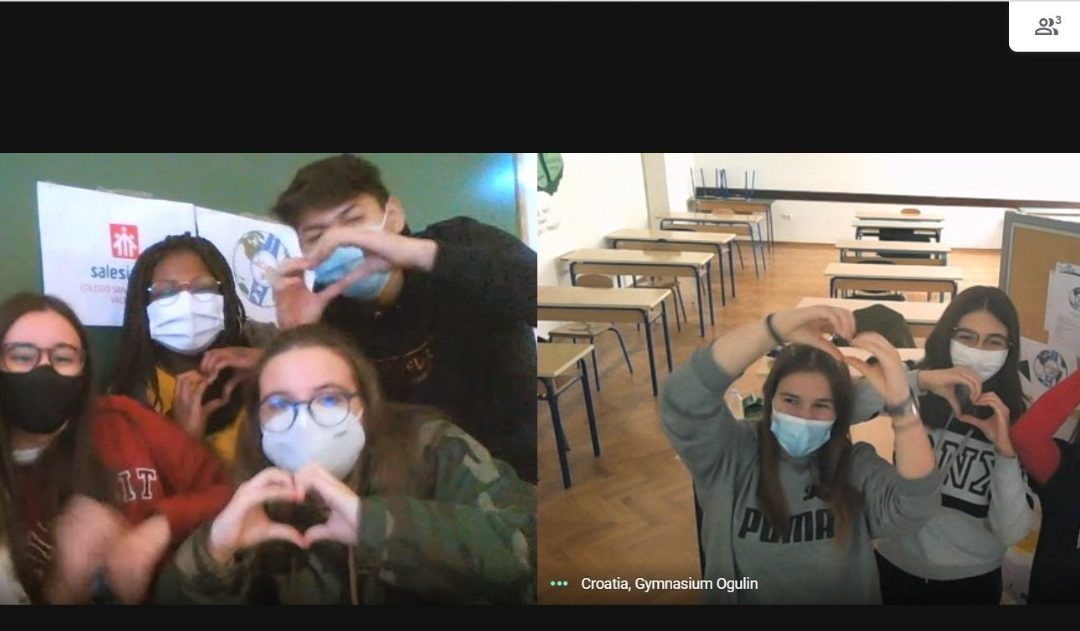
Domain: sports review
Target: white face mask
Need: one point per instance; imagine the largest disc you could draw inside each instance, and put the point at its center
(986, 364)
(336, 448)
(188, 325)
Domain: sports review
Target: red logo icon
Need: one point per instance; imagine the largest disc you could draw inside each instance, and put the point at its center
(125, 240)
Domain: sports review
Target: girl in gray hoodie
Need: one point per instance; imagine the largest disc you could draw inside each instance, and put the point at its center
(968, 391)
(790, 505)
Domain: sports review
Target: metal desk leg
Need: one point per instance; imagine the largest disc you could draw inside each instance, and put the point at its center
(761, 244)
(708, 286)
(560, 437)
(593, 430)
(667, 338)
(700, 303)
(731, 269)
(753, 250)
(595, 366)
(768, 216)
(720, 271)
(652, 353)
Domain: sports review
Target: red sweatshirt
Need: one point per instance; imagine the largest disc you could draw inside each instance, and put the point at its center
(1033, 435)
(159, 468)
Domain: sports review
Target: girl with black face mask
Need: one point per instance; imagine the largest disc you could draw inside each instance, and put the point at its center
(85, 511)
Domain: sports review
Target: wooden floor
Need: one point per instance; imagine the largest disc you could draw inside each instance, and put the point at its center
(629, 513)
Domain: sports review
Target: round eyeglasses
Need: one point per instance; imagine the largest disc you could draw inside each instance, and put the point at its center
(22, 357)
(165, 292)
(969, 338)
(329, 408)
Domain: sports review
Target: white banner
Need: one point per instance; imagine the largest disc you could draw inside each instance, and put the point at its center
(90, 240)
(251, 246)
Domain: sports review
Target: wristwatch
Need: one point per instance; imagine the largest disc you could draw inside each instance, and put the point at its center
(905, 407)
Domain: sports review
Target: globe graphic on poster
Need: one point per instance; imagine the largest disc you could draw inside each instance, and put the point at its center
(257, 252)
(1050, 367)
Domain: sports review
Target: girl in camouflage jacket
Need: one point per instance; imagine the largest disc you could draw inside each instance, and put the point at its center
(350, 499)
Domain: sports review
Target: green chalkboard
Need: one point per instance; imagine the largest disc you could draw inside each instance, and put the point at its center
(432, 186)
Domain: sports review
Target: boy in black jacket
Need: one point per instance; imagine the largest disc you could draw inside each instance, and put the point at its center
(445, 314)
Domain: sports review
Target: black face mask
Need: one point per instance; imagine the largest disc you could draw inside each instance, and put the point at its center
(39, 401)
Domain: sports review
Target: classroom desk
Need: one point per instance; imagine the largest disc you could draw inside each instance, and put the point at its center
(920, 316)
(938, 252)
(709, 220)
(844, 276)
(553, 362)
(739, 206)
(872, 227)
(681, 241)
(895, 216)
(591, 304)
(641, 262)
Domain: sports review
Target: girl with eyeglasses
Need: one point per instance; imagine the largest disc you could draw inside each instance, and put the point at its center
(351, 499)
(94, 492)
(968, 392)
(186, 343)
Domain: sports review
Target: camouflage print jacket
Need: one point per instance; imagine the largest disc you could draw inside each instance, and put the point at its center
(471, 538)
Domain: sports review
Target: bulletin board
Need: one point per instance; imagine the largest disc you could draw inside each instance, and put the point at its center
(1030, 248)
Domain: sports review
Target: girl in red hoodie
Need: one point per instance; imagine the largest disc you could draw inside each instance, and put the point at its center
(94, 493)
(1054, 466)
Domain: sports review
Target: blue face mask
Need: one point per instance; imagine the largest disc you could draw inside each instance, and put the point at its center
(800, 437)
(344, 260)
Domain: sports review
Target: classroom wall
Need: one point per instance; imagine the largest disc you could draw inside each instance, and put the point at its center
(679, 189)
(599, 193)
(1029, 176)
(654, 170)
(824, 222)
(431, 186)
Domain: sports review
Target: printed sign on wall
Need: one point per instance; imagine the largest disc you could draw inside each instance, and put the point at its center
(252, 246)
(90, 240)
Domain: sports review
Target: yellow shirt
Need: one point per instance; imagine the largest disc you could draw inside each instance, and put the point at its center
(222, 442)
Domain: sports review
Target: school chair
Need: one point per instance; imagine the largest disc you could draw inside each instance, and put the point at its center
(591, 330)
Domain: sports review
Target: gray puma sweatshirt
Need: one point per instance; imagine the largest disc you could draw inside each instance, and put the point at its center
(986, 504)
(746, 559)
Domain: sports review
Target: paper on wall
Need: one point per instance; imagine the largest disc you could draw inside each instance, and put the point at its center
(1067, 268)
(251, 246)
(1045, 365)
(90, 241)
(1062, 294)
